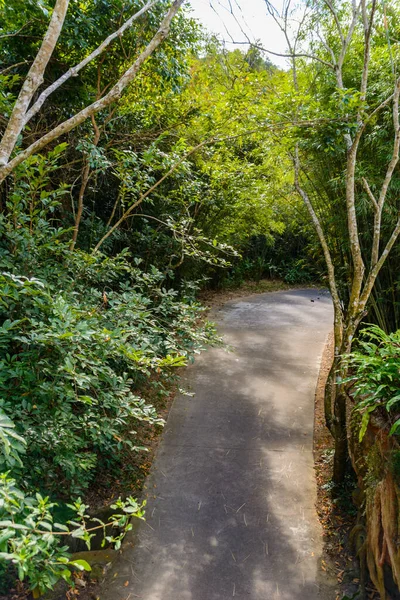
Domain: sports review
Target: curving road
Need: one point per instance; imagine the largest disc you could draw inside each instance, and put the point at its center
(232, 492)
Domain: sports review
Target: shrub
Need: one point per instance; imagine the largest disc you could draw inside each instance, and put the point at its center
(31, 542)
(73, 361)
(376, 376)
(81, 338)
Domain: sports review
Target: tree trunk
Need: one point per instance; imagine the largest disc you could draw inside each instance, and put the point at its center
(113, 95)
(339, 397)
(335, 417)
(330, 398)
(341, 460)
(32, 81)
(85, 181)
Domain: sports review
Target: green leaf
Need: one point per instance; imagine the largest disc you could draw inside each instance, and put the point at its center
(61, 527)
(78, 533)
(394, 427)
(392, 402)
(80, 564)
(365, 421)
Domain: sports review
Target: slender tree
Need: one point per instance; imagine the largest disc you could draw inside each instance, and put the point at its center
(24, 110)
(362, 15)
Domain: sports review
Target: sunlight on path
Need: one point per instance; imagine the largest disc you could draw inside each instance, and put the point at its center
(232, 492)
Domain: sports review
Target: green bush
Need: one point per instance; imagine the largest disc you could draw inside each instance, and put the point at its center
(82, 338)
(376, 376)
(31, 542)
(73, 361)
(81, 335)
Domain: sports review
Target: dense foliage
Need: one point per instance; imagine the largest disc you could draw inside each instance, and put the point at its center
(82, 336)
(102, 239)
(31, 539)
(376, 378)
(107, 234)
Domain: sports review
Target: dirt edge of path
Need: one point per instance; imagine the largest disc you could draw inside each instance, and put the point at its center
(216, 298)
(323, 451)
(338, 564)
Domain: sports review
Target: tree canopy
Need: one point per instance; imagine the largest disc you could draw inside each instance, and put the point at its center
(141, 161)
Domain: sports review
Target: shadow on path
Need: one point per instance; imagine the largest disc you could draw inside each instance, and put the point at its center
(232, 492)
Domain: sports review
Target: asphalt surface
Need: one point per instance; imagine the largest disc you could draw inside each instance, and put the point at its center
(231, 497)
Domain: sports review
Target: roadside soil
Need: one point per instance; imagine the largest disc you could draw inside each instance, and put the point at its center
(337, 516)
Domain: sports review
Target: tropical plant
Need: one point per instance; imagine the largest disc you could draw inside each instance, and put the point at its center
(31, 540)
(375, 377)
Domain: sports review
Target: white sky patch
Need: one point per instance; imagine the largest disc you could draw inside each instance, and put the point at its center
(251, 21)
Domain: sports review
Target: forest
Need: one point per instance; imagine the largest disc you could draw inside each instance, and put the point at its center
(143, 162)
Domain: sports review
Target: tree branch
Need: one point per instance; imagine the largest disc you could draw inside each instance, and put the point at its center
(370, 194)
(345, 44)
(369, 284)
(147, 193)
(336, 19)
(324, 244)
(32, 81)
(73, 72)
(367, 50)
(113, 95)
(14, 66)
(15, 33)
(292, 56)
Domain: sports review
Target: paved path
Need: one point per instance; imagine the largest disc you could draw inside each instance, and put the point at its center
(232, 492)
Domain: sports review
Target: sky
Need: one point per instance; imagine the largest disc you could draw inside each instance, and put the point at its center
(253, 18)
